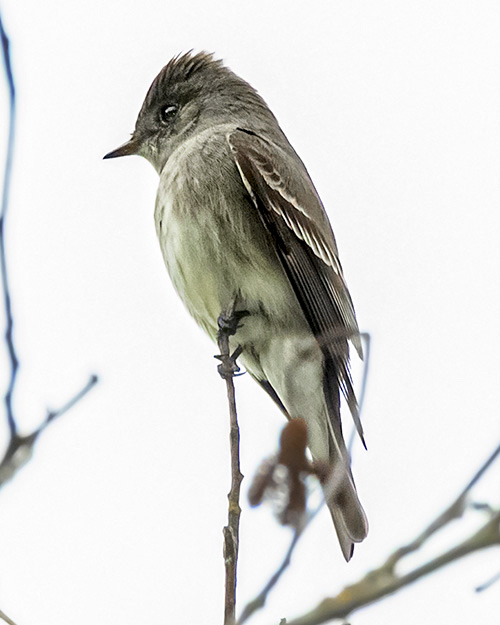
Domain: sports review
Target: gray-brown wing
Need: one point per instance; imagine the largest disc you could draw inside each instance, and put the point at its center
(294, 216)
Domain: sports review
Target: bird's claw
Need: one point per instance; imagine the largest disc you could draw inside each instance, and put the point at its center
(228, 367)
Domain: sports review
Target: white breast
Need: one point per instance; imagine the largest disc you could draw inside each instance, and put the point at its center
(212, 239)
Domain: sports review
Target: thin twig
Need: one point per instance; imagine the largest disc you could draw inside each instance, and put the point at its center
(259, 602)
(364, 381)
(52, 415)
(376, 585)
(384, 580)
(14, 363)
(20, 448)
(366, 336)
(228, 324)
(485, 585)
(486, 465)
(452, 512)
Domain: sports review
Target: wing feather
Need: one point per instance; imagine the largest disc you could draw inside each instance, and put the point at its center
(295, 218)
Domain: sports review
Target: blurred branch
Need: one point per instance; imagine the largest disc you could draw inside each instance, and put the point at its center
(20, 448)
(14, 363)
(485, 585)
(260, 601)
(290, 461)
(228, 324)
(384, 580)
(5, 618)
(366, 337)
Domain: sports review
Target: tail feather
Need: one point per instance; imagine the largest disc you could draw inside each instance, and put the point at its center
(342, 499)
(345, 541)
(347, 512)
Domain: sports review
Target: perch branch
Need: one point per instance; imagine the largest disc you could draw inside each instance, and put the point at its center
(228, 324)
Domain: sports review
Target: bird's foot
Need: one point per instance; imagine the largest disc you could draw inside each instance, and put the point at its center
(228, 323)
(228, 367)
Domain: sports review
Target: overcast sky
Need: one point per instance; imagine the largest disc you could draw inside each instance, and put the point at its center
(394, 107)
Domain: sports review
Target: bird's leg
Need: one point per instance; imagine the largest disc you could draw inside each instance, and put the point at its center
(229, 322)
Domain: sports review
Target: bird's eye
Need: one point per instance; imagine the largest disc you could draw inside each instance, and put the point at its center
(168, 113)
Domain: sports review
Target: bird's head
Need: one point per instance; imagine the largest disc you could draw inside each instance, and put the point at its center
(191, 93)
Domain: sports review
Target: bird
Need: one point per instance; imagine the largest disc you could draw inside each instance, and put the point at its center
(239, 222)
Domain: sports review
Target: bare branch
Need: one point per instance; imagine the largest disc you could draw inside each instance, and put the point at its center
(384, 580)
(228, 324)
(14, 363)
(452, 512)
(20, 448)
(5, 618)
(260, 601)
(488, 584)
(55, 414)
(366, 337)
(329, 488)
(378, 583)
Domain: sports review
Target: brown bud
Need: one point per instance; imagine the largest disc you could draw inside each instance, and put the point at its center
(293, 444)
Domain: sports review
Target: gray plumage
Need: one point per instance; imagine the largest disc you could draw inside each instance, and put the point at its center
(237, 214)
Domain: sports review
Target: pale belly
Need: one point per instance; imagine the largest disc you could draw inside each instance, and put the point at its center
(211, 261)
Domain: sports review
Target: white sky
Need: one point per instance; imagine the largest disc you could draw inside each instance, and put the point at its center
(394, 107)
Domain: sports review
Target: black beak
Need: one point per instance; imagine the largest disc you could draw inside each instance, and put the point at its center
(131, 147)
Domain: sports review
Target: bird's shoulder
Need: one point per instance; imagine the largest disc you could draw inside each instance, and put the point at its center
(273, 169)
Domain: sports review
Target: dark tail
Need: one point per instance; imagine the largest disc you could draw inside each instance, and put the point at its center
(342, 499)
